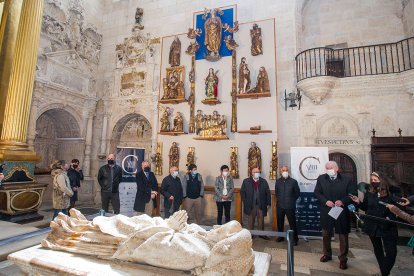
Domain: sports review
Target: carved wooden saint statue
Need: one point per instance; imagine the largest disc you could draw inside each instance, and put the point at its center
(191, 156)
(256, 36)
(212, 30)
(173, 86)
(244, 77)
(175, 52)
(174, 155)
(178, 122)
(254, 158)
(211, 84)
(234, 164)
(199, 119)
(165, 121)
(262, 85)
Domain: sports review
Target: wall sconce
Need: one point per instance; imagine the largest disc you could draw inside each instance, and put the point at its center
(292, 98)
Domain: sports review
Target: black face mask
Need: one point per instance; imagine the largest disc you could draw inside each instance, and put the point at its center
(375, 185)
(147, 169)
(75, 166)
(111, 162)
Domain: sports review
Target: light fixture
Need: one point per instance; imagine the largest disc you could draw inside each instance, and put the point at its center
(292, 98)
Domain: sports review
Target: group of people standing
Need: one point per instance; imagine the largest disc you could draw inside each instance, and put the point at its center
(333, 189)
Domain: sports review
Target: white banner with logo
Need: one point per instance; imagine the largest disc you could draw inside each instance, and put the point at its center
(307, 163)
(130, 160)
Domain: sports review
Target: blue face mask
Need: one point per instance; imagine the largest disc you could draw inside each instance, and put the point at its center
(193, 173)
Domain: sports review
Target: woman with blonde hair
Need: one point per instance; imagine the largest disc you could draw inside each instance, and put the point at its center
(62, 190)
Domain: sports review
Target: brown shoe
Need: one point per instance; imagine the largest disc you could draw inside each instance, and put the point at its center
(343, 265)
(325, 258)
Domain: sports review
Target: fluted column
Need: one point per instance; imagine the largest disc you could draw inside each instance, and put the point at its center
(32, 123)
(88, 142)
(20, 89)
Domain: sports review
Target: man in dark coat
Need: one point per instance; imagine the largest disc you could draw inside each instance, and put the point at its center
(255, 195)
(333, 189)
(147, 190)
(287, 192)
(109, 177)
(172, 191)
(75, 176)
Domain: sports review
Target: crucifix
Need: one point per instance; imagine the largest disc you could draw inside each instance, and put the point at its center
(373, 132)
(399, 131)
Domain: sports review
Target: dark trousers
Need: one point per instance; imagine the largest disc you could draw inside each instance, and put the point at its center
(256, 212)
(107, 197)
(385, 250)
(343, 245)
(220, 205)
(290, 214)
(170, 207)
(57, 211)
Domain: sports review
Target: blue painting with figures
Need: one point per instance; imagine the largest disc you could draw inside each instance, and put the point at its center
(227, 16)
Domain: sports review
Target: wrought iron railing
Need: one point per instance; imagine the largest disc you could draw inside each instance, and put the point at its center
(356, 61)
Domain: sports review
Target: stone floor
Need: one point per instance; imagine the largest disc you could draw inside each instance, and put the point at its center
(361, 257)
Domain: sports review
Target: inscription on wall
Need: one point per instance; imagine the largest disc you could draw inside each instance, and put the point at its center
(333, 141)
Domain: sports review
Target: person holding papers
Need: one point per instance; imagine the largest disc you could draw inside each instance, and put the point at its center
(333, 190)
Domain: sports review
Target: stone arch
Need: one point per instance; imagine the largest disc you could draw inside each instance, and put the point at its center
(70, 109)
(58, 136)
(337, 125)
(132, 130)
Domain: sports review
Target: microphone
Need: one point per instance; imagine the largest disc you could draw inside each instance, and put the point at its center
(352, 209)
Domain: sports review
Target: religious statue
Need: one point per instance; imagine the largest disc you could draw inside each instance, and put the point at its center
(178, 123)
(165, 121)
(173, 85)
(231, 44)
(191, 156)
(211, 84)
(192, 48)
(234, 164)
(175, 52)
(254, 158)
(212, 30)
(213, 126)
(199, 119)
(174, 155)
(223, 250)
(193, 33)
(158, 163)
(274, 161)
(256, 36)
(244, 77)
(262, 85)
(139, 14)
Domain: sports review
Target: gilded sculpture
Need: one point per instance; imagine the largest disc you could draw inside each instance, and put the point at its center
(274, 161)
(234, 164)
(190, 156)
(174, 155)
(173, 84)
(212, 126)
(158, 159)
(254, 158)
(256, 36)
(175, 52)
(165, 121)
(262, 85)
(211, 83)
(178, 122)
(244, 77)
(212, 31)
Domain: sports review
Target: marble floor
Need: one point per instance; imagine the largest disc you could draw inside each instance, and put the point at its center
(307, 253)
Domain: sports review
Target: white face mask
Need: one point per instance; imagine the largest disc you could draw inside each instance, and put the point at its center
(285, 174)
(331, 172)
(175, 174)
(225, 174)
(256, 175)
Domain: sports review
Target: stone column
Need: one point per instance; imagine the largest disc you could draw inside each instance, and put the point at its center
(18, 93)
(88, 142)
(32, 123)
(102, 151)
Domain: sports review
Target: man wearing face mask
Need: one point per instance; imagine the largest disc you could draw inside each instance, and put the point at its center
(172, 191)
(255, 194)
(109, 177)
(333, 189)
(147, 190)
(287, 192)
(193, 191)
(75, 175)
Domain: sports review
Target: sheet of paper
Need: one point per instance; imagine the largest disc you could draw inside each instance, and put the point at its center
(335, 212)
